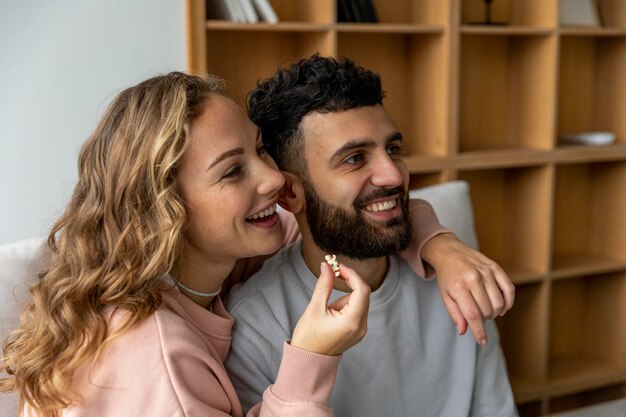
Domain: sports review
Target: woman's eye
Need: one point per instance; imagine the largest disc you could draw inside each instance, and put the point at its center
(233, 172)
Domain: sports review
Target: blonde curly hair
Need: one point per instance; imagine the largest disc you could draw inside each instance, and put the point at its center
(122, 231)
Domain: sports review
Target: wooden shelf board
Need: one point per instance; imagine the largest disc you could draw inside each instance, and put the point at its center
(421, 164)
(577, 154)
(226, 25)
(578, 264)
(576, 373)
(523, 157)
(592, 31)
(362, 28)
(501, 158)
(390, 28)
(505, 30)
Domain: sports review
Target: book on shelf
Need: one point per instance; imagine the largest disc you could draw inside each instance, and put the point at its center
(578, 13)
(232, 10)
(216, 9)
(248, 11)
(266, 11)
(368, 11)
(237, 10)
(356, 11)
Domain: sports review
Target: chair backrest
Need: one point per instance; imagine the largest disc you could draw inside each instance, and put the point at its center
(20, 263)
(453, 205)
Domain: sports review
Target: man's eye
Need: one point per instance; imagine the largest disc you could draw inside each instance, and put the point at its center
(394, 150)
(233, 172)
(354, 159)
(260, 150)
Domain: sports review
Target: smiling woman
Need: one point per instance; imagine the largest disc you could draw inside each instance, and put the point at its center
(230, 186)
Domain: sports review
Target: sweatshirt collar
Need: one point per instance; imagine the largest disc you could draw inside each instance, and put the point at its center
(308, 279)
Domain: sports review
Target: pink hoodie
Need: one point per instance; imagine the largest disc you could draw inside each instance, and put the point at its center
(171, 365)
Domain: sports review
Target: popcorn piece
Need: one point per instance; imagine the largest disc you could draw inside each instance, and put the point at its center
(332, 261)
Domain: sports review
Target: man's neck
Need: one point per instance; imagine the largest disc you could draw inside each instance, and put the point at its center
(372, 270)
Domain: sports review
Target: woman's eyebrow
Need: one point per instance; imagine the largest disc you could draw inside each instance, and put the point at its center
(226, 155)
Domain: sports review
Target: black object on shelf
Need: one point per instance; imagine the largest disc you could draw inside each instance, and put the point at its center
(488, 20)
(356, 11)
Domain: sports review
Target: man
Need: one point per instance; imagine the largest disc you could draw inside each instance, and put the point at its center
(324, 124)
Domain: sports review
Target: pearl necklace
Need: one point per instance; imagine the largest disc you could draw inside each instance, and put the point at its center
(195, 292)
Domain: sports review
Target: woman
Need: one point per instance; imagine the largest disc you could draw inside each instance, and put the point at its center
(174, 187)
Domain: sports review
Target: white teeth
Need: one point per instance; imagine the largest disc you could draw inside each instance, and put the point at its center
(385, 205)
(267, 212)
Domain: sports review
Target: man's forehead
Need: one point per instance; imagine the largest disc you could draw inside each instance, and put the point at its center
(332, 130)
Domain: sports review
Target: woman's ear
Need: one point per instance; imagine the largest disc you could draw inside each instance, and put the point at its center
(292, 194)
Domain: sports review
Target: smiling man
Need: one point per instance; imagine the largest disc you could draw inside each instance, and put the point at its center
(324, 123)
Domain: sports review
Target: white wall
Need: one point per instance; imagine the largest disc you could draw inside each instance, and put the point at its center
(61, 62)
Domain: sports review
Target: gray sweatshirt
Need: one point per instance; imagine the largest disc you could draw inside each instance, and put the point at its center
(411, 362)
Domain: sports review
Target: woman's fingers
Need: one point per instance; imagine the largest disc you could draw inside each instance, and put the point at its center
(359, 299)
(331, 330)
(323, 288)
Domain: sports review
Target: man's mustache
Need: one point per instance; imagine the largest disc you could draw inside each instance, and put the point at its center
(380, 193)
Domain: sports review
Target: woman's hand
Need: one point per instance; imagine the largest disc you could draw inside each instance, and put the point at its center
(331, 329)
(473, 287)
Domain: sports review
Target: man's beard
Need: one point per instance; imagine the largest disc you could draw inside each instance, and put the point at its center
(346, 232)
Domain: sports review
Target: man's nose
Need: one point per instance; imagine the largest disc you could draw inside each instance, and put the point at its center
(387, 172)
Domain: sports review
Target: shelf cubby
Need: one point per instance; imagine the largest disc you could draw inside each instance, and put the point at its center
(589, 225)
(426, 12)
(426, 179)
(265, 50)
(511, 209)
(316, 11)
(506, 92)
(587, 332)
(415, 82)
(592, 85)
(541, 13)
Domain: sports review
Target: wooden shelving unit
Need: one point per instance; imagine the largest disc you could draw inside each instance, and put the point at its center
(486, 104)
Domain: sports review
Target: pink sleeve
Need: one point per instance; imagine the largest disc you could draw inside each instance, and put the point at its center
(425, 226)
(303, 385)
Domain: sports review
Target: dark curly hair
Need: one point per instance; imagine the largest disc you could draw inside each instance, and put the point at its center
(317, 84)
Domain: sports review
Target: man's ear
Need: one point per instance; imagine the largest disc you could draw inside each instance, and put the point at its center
(292, 195)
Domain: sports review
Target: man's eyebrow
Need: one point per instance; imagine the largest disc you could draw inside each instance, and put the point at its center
(397, 136)
(361, 144)
(226, 155)
(350, 146)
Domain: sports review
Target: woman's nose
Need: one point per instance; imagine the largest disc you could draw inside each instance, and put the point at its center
(270, 179)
